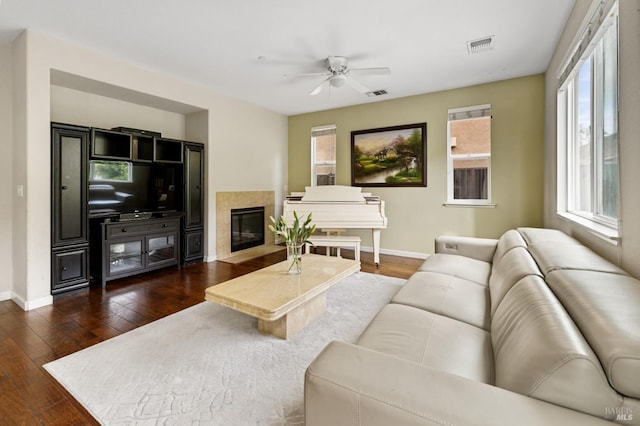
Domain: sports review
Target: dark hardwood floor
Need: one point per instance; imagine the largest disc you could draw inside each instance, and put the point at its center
(76, 320)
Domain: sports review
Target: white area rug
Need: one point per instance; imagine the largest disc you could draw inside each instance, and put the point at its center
(209, 364)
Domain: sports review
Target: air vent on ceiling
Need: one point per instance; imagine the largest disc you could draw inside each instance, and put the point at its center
(480, 45)
(377, 92)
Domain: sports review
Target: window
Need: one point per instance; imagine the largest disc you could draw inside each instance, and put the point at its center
(323, 155)
(588, 126)
(469, 155)
(110, 171)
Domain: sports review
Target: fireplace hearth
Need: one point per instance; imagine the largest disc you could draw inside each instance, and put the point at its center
(247, 228)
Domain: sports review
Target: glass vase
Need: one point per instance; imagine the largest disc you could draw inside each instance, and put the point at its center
(294, 255)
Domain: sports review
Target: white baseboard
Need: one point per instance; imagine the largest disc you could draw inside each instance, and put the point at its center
(28, 305)
(402, 253)
(5, 295)
(38, 303)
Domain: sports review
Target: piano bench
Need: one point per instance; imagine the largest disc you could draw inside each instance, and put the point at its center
(337, 241)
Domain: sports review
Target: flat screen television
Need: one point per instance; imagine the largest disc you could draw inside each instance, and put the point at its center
(117, 187)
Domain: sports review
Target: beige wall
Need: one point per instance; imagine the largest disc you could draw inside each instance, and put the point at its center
(417, 215)
(19, 218)
(626, 252)
(6, 152)
(243, 143)
(88, 109)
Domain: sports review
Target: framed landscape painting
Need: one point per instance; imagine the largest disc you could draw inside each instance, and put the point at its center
(390, 156)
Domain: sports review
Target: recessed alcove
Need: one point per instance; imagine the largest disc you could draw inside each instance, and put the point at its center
(78, 100)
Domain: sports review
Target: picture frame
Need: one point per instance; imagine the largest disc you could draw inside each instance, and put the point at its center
(389, 156)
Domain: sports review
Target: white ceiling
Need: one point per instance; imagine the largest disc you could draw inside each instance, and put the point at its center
(249, 49)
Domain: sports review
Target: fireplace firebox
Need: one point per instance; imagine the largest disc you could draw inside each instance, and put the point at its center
(247, 228)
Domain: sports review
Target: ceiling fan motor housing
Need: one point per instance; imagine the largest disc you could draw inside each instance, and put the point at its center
(339, 74)
(337, 64)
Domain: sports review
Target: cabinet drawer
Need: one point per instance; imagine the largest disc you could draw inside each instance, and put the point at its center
(124, 229)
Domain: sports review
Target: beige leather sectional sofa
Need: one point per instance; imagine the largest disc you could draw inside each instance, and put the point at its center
(530, 329)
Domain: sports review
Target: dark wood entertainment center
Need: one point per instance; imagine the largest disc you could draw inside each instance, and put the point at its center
(123, 201)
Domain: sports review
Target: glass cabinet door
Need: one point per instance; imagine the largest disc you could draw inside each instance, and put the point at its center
(161, 249)
(125, 256)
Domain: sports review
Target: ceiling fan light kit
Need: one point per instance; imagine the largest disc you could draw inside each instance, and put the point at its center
(337, 80)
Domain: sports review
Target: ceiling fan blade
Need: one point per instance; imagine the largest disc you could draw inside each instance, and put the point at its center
(371, 71)
(357, 85)
(318, 88)
(309, 74)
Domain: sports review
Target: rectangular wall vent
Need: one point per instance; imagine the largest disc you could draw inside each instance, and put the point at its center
(377, 92)
(480, 45)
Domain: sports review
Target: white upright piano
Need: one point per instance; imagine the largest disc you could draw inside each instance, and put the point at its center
(336, 206)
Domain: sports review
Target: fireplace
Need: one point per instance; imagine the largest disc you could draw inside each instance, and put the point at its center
(247, 228)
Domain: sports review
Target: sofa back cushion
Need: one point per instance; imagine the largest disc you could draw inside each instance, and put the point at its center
(553, 250)
(552, 256)
(515, 265)
(539, 352)
(606, 308)
(538, 235)
(506, 242)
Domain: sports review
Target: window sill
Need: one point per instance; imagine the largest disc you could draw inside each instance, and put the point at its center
(601, 231)
(482, 206)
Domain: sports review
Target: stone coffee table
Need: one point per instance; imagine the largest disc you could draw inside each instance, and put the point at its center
(283, 303)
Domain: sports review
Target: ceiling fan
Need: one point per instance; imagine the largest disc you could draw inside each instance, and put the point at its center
(338, 73)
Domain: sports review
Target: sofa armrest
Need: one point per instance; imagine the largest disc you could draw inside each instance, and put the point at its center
(477, 248)
(352, 385)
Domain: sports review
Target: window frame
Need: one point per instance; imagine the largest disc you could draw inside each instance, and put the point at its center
(314, 162)
(588, 48)
(451, 201)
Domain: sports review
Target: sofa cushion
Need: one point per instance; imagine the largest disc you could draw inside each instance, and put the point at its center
(515, 265)
(540, 352)
(351, 385)
(458, 266)
(506, 242)
(448, 296)
(552, 256)
(605, 308)
(537, 235)
(432, 340)
(553, 249)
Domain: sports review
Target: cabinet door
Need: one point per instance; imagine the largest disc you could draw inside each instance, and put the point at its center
(193, 245)
(162, 250)
(70, 269)
(69, 185)
(194, 180)
(124, 256)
